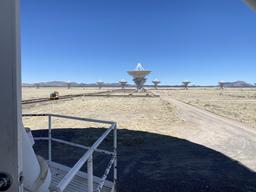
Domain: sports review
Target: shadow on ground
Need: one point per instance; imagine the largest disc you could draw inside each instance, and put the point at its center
(149, 162)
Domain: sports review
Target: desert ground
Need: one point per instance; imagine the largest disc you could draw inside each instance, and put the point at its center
(235, 103)
(184, 140)
(44, 92)
(144, 114)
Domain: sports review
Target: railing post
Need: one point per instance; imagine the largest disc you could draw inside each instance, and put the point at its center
(50, 137)
(115, 161)
(90, 174)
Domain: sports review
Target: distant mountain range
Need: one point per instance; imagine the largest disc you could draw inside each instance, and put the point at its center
(75, 84)
(237, 84)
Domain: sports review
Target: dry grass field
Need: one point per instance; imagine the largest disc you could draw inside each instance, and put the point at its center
(145, 114)
(237, 103)
(44, 92)
(139, 113)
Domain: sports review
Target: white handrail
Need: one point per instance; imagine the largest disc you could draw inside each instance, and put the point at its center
(71, 174)
(73, 144)
(70, 117)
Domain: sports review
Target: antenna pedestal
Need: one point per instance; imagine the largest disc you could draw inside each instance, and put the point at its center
(139, 81)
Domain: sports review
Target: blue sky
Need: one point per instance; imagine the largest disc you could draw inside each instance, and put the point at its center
(86, 40)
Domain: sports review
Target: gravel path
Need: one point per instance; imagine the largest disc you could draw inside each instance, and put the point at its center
(229, 137)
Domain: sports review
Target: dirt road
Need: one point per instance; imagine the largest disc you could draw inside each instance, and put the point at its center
(226, 136)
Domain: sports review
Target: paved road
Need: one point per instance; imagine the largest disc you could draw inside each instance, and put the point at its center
(229, 137)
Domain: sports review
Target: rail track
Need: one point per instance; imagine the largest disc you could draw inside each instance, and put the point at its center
(97, 94)
(38, 100)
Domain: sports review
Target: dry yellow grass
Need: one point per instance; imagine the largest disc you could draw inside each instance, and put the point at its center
(234, 103)
(145, 114)
(44, 92)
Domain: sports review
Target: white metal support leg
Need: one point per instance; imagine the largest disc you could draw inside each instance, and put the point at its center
(90, 174)
(50, 138)
(115, 162)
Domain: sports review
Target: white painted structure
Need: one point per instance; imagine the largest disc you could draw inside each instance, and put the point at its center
(123, 83)
(68, 84)
(156, 82)
(185, 84)
(37, 85)
(100, 84)
(221, 84)
(10, 110)
(139, 76)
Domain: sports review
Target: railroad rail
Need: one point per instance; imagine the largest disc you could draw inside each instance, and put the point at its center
(45, 99)
(97, 94)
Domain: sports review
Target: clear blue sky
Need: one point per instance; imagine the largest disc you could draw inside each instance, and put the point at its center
(86, 40)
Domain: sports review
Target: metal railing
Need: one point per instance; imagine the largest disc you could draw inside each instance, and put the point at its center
(87, 157)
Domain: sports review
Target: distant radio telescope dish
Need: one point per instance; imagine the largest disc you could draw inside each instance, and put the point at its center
(100, 84)
(37, 85)
(139, 76)
(221, 84)
(186, 83)
(123, 83)
(156, 82)
(69, 84)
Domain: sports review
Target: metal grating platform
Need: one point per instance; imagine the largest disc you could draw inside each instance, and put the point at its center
(79, 183)
(72, 179)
